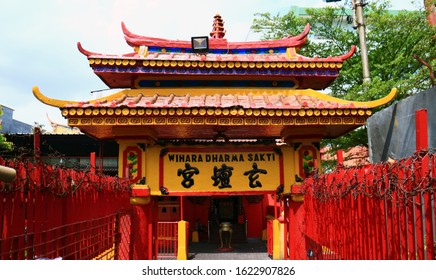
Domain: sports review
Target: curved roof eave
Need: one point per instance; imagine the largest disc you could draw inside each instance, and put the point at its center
(119, 97)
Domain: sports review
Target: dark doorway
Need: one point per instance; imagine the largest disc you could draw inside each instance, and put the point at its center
(227, 210)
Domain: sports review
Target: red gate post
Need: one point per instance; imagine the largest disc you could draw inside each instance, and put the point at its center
(37, 143)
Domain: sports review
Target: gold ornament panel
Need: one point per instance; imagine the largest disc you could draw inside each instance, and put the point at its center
(269, 121)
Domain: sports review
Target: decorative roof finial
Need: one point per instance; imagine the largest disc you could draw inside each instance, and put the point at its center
(218, 31)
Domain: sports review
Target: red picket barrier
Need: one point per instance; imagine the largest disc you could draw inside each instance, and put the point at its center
(379, 211)
(50, 212)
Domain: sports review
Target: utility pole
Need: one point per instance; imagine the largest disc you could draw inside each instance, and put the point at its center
(360, 25)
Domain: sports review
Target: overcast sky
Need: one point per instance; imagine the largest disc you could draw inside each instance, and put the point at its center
(38, 40)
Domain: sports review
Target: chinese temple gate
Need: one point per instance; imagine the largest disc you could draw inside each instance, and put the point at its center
(215, 132)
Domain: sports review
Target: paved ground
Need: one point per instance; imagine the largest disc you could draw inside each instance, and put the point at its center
(253, 249)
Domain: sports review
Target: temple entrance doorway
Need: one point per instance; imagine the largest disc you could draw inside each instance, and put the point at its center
(227, 220)
(243, 214)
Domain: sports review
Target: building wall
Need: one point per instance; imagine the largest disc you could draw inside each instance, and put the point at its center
(392, 131)
(141, 162)
(9, 125)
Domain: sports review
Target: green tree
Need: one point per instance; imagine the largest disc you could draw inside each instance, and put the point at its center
(392, 40)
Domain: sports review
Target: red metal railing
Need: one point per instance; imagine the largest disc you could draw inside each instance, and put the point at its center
(49, 212)
(380, 211)
(101, 238)
(166, 242)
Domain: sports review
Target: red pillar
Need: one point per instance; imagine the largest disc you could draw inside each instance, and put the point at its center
(340, 158)
(421, 124)
(142, 227)
(92, 162)
(296, 228)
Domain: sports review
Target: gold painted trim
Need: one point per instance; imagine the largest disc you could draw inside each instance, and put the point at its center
(208, 120)
(202, 112)
(214, 64)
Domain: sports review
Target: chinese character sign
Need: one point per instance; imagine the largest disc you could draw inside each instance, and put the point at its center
(221, 169)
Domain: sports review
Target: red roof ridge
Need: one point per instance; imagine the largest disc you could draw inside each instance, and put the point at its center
(347, 55)
(85, 52)
(135, 40)
(89, 53)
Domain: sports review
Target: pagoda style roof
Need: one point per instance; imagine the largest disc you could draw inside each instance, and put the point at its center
(195, 113)
(157, 62)
(260, 90)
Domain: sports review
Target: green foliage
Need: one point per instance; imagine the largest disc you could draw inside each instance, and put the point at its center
(275, 27)
(4, 144)
(392, 40)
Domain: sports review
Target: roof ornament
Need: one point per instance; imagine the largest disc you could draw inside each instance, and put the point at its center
(218, 31)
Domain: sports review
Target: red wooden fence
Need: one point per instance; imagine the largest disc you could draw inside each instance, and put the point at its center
(380, 211)
(46, 210)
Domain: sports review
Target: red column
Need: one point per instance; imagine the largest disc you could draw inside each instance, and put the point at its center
(92, 162)
(421, 124)
(142, 232)
(340, 158)
(296, 230)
